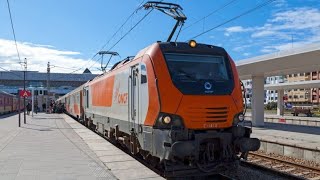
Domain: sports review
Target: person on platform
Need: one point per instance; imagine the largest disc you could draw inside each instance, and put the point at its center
(36, 108)
(44, 107)
(29, 107)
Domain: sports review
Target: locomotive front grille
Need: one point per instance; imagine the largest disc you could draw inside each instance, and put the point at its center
(207, 114)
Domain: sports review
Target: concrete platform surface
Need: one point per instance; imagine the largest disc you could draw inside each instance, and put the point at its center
(122, 165)
(287, 119)
(46, 148)
(291, 140)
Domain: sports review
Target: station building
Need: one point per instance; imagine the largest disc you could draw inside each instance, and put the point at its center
(59, 83)
(303, 96)
(294, 96)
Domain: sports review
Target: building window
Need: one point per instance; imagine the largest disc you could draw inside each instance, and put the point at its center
(275, 98)
(290, 97)
(307, 74)
(301, 96)
(290, 75)
(295, 89)
(314, 97)
(295, 75)
(295, 96)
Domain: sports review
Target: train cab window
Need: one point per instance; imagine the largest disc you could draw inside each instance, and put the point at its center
(143, 74)
(200, 73)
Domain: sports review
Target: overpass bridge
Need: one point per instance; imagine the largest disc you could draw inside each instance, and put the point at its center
(296, 60)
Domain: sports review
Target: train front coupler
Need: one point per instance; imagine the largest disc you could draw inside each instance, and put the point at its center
(243, 142)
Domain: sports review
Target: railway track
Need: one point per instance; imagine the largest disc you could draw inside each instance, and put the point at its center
(258, 165)
(297, 170)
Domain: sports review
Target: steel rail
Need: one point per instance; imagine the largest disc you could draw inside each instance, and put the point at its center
(306, 167)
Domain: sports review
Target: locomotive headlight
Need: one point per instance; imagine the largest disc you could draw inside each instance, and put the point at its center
(167, 119)
(192, 43)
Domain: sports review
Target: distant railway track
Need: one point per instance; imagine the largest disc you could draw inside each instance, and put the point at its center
(288, 168)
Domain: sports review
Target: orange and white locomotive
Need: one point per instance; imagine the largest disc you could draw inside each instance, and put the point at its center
(176, 104)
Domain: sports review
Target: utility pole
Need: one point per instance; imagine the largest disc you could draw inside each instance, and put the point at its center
(24, 88)
(32, 100)
(19, 107)
(48, 86)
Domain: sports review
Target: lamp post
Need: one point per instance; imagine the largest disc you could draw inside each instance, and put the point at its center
(24, 88)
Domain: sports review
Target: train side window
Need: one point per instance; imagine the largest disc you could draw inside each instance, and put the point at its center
(143, 74)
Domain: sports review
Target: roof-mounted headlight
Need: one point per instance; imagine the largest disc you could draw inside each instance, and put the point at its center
(192, 43)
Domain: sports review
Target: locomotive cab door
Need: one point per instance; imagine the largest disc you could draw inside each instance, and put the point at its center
(85, 100)
(134, 99)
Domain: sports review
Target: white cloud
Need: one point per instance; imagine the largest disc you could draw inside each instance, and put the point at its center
(284, 30)
(38, 56)
(241, 48)
(297, 19)
(280, 3)
(236, 29)
(267, 50)
(263, 33)
(246, 54)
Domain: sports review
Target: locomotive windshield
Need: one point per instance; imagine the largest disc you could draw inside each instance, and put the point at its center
(199, 74)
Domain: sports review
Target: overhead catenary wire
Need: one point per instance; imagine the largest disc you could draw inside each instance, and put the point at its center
(11, 72)
(125, 34)
(210, 14)
(63, 67)
(236, 17)
(113, 35)
(13, 31)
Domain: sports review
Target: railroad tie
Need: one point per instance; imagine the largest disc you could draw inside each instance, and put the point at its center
(277, 166)
(315, 178)
(255, 160)
(288, 170)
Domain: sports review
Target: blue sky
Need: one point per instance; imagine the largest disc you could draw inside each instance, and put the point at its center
(69, 33)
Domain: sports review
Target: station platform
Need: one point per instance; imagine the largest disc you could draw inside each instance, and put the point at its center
(53, 146)
(302, 142)
(287, 119)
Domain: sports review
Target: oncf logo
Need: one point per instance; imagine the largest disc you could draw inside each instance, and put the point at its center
(122, 98)
(207, 86)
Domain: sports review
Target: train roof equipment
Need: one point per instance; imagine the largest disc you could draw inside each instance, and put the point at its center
(111, 53)
(171, 9)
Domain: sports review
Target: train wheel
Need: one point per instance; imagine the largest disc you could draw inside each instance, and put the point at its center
(154, 161)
